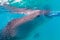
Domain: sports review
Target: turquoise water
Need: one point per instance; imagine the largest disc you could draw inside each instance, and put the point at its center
(46, 29)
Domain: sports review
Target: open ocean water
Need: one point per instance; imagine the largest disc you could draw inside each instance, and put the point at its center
(43, 28)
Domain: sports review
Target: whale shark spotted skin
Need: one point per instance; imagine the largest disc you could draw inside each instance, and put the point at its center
(10, 30)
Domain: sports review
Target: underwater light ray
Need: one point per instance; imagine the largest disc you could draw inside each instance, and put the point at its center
(17, 1)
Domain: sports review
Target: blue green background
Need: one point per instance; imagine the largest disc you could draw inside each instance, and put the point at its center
(46, 29)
